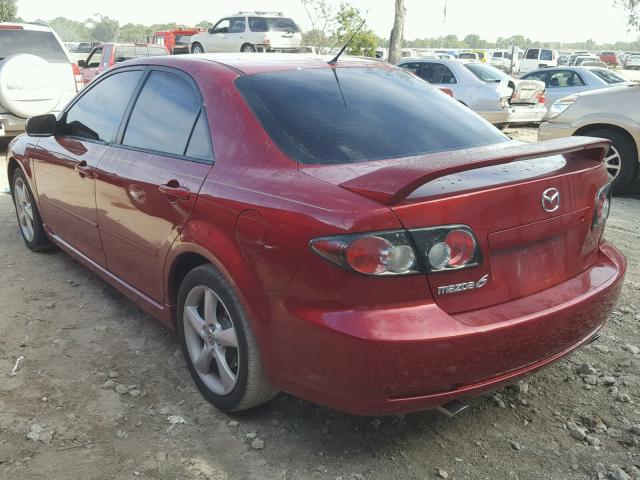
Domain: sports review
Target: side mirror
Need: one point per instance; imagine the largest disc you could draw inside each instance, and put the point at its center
(82, 63)
(211, 30)
(42, 125)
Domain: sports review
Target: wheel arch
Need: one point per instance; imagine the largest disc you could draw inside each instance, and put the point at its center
(608, 126)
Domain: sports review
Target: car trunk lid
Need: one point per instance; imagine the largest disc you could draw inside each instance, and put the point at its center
(497, 192)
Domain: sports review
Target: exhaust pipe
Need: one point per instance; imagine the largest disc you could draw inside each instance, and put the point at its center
(452, 408)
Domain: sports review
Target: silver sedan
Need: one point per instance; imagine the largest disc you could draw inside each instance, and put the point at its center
(564, 81)
(490, 93)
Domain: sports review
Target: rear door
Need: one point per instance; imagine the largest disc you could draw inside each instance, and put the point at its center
(65, 164)
(149, 181)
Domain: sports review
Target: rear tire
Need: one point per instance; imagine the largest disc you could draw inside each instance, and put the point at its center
(29, 220)
(219, 347)
(622, 159)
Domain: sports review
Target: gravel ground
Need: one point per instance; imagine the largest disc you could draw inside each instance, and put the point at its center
(102, 392)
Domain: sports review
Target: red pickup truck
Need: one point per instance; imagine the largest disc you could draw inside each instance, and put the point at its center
(176, 40)
(106, 55)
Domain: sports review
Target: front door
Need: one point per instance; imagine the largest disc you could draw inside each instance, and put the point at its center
(148, 183)
(92, 65)
(217, 38)
(65, 164)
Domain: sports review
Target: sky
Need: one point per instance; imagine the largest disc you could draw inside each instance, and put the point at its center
(544, 20)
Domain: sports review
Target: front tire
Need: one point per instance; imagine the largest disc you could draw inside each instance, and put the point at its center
(220, 349)
(248, 48)
(621, 160)
(197, 48)
(29, 219)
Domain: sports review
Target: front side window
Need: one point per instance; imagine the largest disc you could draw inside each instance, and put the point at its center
(94, 60)
(565, 79)
(346, 115)
(222, 26)
(98, 113)
(164, 114)
(158, 39)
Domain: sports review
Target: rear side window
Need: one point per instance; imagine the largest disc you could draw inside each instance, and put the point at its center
(546, 55)
(125, 53)
(565, 78)
(532, 54)
(98, 113)
(258, 24)
(436, 73)
(200, 143)
(164, 114)
(41, 44)
(345, 115)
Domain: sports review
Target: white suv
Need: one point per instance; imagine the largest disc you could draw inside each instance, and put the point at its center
(37, 75)
(250, 32)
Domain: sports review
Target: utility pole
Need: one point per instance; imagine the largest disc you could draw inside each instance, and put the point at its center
(395, 41)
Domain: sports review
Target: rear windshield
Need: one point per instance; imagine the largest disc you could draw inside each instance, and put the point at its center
(262, 24)
(486, 73)
(466, 56)
(607, 75)
(532, 54)
(546, 55)
(42, 44)
(346, 115)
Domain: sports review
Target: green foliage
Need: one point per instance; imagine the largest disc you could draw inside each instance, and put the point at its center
(104, 29)
(70, 30)
(322, 19)
(8, 10)
(633, 11)
(348, 20)
(204, 24)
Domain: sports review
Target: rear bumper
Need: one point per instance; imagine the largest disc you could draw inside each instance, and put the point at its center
(553, 130)
(10, 125)
(494, 116)
(527, 113)
(417, 357)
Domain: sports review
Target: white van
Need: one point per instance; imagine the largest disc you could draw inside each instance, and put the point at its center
(535, 58)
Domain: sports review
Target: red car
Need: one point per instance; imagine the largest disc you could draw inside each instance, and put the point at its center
(610, 58)
(340, 231)
(177, 40)
(107, 55)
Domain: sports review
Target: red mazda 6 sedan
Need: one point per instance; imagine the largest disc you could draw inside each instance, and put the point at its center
(340, 231)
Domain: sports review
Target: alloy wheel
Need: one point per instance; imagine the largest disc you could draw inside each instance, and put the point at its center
(24, 208)
(211, 339)
(613, 162)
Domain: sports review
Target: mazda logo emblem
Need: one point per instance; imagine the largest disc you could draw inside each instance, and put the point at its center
(551, 200)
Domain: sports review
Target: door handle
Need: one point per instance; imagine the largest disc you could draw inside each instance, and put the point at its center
(83, 169)
(181, 193)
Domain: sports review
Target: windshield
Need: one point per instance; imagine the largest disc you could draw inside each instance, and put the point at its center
(41, 44)
(486, 73)
(467, 55)
(345, 115)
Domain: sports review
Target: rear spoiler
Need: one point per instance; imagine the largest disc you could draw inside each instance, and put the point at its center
(393, 183)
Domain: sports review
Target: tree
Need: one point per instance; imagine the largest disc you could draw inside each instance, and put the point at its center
(395, 40)
(104, 29)
(204, 24)
(633, 10)
(322, 19)
(348, 20)
(8, 10)
(70, 30)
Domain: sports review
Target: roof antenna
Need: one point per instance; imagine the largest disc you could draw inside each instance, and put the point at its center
(334, 60)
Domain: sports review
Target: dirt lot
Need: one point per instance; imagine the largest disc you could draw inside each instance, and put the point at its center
(102, 393)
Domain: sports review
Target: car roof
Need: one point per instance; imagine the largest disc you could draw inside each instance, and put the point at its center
(26, 26)
(249, 63)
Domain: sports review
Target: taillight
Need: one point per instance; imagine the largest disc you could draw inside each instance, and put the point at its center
(427, 250)
(448, 248)
(77, 75)
(542, 98)
(602, 206)
(446, 90)
(382, 253)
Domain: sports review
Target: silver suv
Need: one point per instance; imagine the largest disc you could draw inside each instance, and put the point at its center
(250, 32)
(37, 75)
